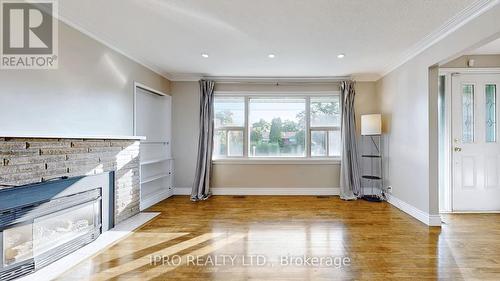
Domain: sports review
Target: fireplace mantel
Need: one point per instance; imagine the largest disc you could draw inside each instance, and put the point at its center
(62, 136)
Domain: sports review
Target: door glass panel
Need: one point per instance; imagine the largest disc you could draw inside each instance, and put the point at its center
(467, 113)
(491, 116)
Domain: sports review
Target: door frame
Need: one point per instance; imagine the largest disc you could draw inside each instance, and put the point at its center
(448, 73)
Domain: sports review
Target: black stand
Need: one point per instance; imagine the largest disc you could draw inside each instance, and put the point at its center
(372, 157)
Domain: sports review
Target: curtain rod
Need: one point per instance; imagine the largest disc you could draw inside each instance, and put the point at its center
(277, 80)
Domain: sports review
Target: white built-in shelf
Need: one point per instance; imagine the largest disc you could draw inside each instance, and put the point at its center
(155, 177)
(154, 161)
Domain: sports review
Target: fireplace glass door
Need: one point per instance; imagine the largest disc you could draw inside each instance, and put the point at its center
(61, 227)
(17, 244)
(46, 233)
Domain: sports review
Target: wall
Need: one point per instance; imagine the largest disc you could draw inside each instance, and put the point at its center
(26, 161)
(185, 129)
(410, 113)
(90, 94)
(480, 61)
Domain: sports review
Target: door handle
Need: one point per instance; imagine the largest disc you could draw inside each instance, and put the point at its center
(457, 149)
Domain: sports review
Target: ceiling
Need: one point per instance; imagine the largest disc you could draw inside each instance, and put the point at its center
(238, 35)
(491, 48)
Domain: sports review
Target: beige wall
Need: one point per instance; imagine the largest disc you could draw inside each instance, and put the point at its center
(410, 113)
(185, 129)
(90, 94)
(479, 61)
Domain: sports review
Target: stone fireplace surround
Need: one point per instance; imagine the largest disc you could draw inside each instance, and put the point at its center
(34, 159)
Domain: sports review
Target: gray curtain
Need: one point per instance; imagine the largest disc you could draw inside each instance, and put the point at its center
(201, 187)
(350, 182)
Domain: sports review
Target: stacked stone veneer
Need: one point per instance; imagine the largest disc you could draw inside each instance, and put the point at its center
(25, 161)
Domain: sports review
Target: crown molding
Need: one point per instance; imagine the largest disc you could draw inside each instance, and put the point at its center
(469, 13)
(184, 77)
(278, 79)
(107, 43)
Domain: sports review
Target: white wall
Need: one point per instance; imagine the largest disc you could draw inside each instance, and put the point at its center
(410, 113)
(90, 94)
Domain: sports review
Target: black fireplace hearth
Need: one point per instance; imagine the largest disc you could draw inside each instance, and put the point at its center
(41, 223)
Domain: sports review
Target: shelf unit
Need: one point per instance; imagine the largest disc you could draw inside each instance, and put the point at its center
(152, 118)
(154, 161)
(155, 177)
(156, 180)
(372, 168)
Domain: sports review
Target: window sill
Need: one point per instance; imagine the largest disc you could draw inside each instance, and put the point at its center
(277, 161)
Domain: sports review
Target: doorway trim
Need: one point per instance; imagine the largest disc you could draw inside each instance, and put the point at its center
(448, 73)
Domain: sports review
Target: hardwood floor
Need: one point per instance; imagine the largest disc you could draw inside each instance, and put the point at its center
(379, 241)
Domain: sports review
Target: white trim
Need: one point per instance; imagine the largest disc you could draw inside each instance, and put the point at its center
(278, 79)
(428, 219)
(448, 144)
(90, 137)
(107, 43)
(155, 198)
(462, 70)
(470, 212)
(185, 77)
(149, 89)
(182, 190)
(271, 94)
(275, 161)
(265, 191)
(469, 13)
(105, 240)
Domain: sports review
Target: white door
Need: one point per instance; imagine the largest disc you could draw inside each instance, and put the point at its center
(475, 143)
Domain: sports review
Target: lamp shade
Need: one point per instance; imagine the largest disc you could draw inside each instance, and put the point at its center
(371, 124)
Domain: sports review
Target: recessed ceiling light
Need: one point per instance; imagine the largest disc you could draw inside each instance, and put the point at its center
(341, 56)
(204, 55)
(271, 56)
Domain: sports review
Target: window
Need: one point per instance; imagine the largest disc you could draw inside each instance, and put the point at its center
(491, 113)
(325, 126)
(277, 127)
(468, 113)
(229, 124)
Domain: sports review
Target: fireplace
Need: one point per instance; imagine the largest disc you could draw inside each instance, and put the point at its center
(41, 223)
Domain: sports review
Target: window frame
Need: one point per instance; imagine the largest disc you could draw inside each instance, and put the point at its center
(226, 129)
(246, 159)
(326, 129)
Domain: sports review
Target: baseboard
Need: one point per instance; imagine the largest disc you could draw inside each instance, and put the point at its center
(428, 219)
(182, 190)
(264, 191)
(155, 198)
